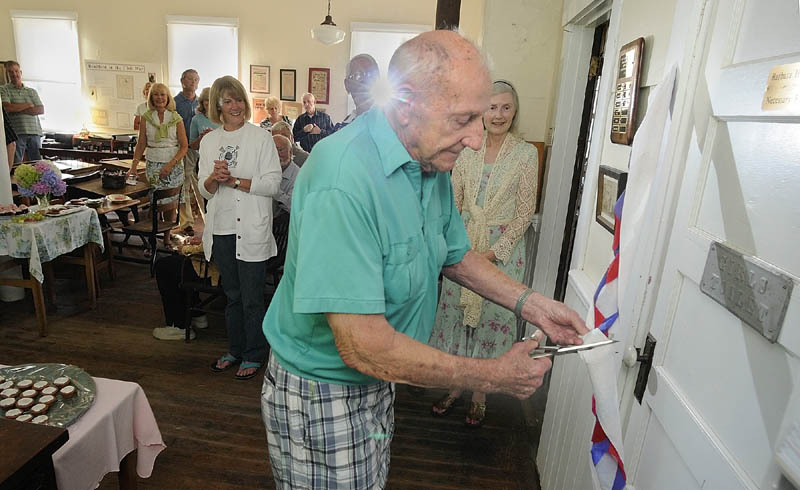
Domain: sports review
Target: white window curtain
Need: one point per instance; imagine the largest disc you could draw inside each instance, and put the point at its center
(380, 41)
(47, 51)
(209, 45)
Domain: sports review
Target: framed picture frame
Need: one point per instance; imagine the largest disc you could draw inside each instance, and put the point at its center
(259, 110)
(319, 84)
(610, 185)
(626, 92)
(259, 79)
(288, 84)
(291, 109)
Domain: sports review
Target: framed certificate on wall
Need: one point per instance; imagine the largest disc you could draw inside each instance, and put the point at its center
(319, 84)
(288, 84)
(259, 79)
(626, 92)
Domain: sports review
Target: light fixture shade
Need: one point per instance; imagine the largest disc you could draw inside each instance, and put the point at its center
(328, 34)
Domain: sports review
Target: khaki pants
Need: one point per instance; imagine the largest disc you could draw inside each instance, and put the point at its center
(189, 186)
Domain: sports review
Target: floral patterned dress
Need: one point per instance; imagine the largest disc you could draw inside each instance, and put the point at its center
(499, 198)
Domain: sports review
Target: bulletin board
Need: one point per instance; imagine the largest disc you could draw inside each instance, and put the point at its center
(114, 91)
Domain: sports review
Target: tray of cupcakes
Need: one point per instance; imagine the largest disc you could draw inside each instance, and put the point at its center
(50, 394)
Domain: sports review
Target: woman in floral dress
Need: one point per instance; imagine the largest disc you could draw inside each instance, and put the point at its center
(495, 192)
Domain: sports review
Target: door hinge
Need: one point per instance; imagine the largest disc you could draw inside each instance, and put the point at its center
(644, 357)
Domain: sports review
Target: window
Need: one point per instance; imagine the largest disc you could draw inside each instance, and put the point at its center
(380, 41)
(210, 45)
(47, 51)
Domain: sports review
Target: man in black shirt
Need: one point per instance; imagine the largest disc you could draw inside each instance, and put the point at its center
(312, 125)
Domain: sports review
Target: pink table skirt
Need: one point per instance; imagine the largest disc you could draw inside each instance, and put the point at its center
(119, 421)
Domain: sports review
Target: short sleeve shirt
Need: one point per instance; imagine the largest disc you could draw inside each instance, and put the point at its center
(22, 123)
(186, 109)
(369, 234)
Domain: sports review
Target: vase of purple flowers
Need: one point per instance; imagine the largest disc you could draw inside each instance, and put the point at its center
(41, 180)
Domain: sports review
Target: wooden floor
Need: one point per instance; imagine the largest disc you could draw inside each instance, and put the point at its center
(211, 423)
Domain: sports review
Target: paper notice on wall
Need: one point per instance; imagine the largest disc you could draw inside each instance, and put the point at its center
(783, 88)
(125, 87)
(99, 117)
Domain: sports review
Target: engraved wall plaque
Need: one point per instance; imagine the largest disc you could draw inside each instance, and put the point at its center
(756, 294)
(783, 88)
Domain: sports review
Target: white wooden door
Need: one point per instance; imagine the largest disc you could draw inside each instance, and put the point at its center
(719, 392)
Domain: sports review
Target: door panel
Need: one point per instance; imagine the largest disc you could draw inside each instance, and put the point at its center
(769, 31)
(743, 393)
(751, 190)
(671, 472)
(719, 391)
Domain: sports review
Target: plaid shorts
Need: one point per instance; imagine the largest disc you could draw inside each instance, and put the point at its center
(326, 436)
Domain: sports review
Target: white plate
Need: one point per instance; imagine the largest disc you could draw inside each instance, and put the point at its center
(118, 198)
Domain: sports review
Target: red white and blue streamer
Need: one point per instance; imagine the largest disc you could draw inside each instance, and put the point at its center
(609, 469)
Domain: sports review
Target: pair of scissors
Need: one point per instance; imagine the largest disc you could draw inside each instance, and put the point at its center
(557, 350)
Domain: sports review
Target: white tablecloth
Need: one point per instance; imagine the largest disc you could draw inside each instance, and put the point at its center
(47, 239)
(119, 421)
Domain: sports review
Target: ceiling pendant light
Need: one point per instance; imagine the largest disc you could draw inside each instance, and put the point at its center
(328, 32)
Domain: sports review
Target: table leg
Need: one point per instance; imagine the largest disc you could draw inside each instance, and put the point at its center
(38, 303)
(88, 258)
(127, 472)
(49, 285)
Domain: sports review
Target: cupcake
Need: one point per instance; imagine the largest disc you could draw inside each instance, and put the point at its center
(50, 390)
(47, 399)
(39, 409)
(29, 394)
(40, 385)
(7, 403)
(24, 403)
(40, 419)
(67, 391)
(61, 382)
(24, 384)
(13, 413)
(9, 393)
(25, 417)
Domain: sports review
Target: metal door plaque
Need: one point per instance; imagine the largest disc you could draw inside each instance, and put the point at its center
(757, 295)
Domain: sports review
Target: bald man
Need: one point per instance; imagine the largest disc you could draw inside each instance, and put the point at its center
(361, 75)
(283, 202)
(373, 224)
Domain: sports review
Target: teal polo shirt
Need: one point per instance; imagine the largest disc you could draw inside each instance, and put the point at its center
(369, 234)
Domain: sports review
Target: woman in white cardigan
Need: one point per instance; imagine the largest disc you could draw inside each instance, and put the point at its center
(240, 173)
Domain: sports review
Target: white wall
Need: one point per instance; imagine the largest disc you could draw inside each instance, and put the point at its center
(274, 33)
(650, 19)
(522, 40)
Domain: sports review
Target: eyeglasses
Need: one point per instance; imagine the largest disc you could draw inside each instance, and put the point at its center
(359, 76)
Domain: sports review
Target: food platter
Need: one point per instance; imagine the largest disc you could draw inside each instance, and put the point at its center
(9, 211)
(62, 210)
(64, 411)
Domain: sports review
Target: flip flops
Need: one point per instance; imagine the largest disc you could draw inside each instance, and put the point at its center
(232, 361)
(248, 365)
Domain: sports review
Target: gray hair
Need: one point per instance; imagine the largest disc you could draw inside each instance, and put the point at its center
(505, 87)
(281, 126)
(280, 137)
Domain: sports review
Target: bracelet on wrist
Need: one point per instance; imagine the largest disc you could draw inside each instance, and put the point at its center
(521, 302)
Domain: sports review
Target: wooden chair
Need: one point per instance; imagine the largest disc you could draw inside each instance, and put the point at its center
(280, 230)
(156, 226)
(202, 285)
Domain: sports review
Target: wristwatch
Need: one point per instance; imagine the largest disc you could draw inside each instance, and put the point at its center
(237, 183)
